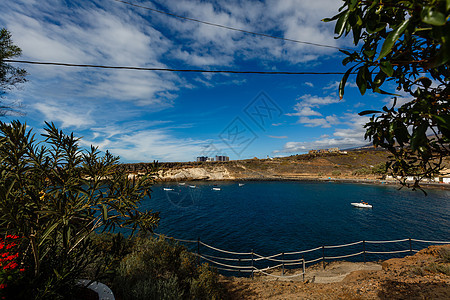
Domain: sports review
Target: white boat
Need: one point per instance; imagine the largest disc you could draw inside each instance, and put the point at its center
(216, 188)
(167, 189)
(192, 186)
(241, 184)
(182, 183)
(361, 205)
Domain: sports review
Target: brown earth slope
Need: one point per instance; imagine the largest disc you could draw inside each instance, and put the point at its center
(352, 164)
(425, 275)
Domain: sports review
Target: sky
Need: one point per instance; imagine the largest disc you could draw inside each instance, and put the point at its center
(143, 116)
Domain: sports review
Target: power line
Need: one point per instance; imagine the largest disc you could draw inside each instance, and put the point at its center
(231, 28)
(169, 69)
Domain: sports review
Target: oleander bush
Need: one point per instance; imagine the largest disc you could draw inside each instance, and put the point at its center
(53, 196)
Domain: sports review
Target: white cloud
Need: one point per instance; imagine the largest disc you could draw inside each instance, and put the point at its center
(69, 116)
(305, 112)
(351, 136)
(137, 143)
(316, 101)
(277, 137)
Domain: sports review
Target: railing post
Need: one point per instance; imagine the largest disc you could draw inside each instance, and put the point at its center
(303, 258)
(198, 251)
(252, 264)
(282, 258)
(323, 257)
(239, 270)
(364, 251)
(410, 246)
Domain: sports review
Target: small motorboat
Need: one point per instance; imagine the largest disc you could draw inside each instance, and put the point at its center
(241, 184)
(361, 204)
(167, 189)
(192, 186)
(182, 183)
(216, 188)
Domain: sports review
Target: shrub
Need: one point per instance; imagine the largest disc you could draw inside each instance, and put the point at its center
(161, 269)
(336, 173)
(53, 195)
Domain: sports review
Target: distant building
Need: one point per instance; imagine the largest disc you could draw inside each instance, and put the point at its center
(202, 158)
(222, 158)
(210, 159)
(333, 149)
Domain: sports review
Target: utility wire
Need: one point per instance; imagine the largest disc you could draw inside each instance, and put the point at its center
(171, 70)
(231, 28)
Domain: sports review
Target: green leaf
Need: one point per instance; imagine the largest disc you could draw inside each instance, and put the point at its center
(369, 112)
(387, 68)
(104, 212)
(401, 133)
(419, 137)
(380, 91)
(443, 124)
(392, 37)
(343, 82)
(361, 80)
(433, 17)
(341, 23)
(47, 232)
(441, 58)
(379, 79)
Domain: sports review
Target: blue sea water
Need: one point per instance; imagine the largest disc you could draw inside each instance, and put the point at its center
(270, 217)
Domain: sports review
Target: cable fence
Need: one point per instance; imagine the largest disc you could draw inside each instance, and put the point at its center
(293, 264)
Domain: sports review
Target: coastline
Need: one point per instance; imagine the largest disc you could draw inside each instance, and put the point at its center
(442, 186)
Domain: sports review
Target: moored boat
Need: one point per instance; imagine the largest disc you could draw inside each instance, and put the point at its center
(361, 204)
(167, 189)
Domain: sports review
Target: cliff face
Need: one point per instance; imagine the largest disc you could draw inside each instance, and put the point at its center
(196, 173)
(354, 164)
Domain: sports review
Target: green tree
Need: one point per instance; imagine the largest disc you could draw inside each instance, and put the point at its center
(406, 43)
(9, 75)
(53, 196)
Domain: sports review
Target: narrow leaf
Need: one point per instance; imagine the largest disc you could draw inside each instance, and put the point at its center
(387, 68)
(361, 81)
(343, 82)
(47, 232)
(419, 137)
(341, 24)
(105, 212)
(432, 16)
(369, 112)
(392, 37)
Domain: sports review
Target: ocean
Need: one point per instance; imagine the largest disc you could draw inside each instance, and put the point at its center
(270, 217)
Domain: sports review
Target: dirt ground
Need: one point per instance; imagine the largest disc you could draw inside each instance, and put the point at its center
(425, 275)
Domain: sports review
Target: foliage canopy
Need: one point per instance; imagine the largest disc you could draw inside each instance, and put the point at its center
(406, 43)
(53, 196)
(9, 75)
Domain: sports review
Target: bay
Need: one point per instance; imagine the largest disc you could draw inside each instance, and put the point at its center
(270, 217)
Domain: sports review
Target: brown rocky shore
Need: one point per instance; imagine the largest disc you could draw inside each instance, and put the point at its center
(425, 275)
(361, 166)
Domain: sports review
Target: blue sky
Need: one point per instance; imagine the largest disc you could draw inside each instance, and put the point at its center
(144, 116)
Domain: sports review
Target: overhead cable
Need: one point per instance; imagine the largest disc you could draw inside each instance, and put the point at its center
(231, 28)
(169, 69)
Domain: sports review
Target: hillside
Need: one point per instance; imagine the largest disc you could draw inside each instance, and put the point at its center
(353, 164)
(425, 275)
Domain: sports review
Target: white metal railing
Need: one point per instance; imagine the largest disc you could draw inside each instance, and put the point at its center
(245, 262)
